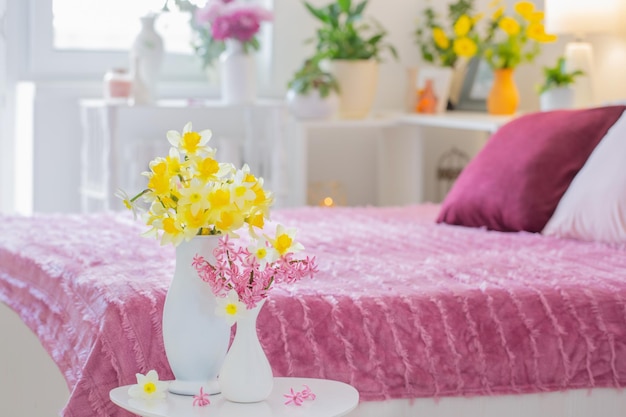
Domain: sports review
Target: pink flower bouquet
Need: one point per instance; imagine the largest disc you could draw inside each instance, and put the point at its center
(222, 20)
(242, 277)
(230, 19)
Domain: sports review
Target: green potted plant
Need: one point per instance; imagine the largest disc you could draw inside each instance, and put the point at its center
(353, 47)
(312, 92)
(556, 92)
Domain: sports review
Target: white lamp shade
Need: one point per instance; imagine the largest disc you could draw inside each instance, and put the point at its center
(585, 16)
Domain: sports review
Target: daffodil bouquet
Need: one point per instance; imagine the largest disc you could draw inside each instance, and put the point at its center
(443, 44)
(514, 39)
(190, 193)
(241, 277)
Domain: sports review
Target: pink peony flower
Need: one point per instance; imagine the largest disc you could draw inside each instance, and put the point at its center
(229, 19)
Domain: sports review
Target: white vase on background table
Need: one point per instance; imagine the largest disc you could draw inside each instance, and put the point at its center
(237, 74)
(146, 59)
(557, 98)
(246, 375)
(195, 339)
(312, 105)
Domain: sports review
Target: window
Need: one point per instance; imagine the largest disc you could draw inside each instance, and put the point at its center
(87, 25)
(82, 39)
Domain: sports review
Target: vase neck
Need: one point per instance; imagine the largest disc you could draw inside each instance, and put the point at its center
(234, 46)
(249, 319)
(198, 245)
(147, 22)
(504, 72)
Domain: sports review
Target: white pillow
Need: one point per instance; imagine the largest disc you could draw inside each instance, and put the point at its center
(594, 205)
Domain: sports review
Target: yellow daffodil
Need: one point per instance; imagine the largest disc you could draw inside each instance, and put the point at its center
(207, 168)
(159, 178)
(190, 142)
(465, 47)
(219, 197)
(255, 221)
(229, 221)
(130, 203)
(172, 162)
(148, 387)
(524, 8)
(440, 38)
(241, 190)
(284, 242)
(194, 195)
(477, 18)
(509, 25)
(173, 231)
(230, 307)
(462, 26)
(192, 221)
(263, 252)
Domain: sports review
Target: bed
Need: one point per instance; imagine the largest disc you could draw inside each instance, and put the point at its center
(422, 311)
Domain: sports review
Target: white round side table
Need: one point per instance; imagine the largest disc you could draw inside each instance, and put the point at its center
(332, 399)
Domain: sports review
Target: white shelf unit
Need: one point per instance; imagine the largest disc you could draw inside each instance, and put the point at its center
(400, 153)
(120, 140)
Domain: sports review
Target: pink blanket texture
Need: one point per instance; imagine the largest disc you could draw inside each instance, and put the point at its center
(401, 308)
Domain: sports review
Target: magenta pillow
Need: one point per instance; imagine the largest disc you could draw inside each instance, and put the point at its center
(518, 178)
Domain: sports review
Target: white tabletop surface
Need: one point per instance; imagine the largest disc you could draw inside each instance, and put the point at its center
(333, 399)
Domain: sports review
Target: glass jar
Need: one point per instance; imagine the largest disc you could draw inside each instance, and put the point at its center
(117, 84)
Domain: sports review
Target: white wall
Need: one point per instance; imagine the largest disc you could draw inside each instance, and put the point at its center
(57, 130)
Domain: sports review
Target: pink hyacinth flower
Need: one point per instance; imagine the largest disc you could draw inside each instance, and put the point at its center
(201, 399)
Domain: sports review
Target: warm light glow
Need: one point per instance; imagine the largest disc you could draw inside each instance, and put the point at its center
(581, 17)
(328, 202)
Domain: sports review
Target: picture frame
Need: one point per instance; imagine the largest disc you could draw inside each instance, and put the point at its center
(476, 86)
(441, 78)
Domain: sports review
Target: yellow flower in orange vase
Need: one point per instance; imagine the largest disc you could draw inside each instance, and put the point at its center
(440, 38)
(463, 26)
(524, 9)
(509, 25)
(465, 47)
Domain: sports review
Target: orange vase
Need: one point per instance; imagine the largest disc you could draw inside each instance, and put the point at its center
(503, 97)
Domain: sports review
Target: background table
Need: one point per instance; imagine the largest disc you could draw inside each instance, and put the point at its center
(333, 399)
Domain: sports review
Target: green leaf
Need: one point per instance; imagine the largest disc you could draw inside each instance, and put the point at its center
(318, 13)
(344, 5)
(358, 10)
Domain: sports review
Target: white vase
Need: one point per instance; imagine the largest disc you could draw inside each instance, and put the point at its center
(237, 74)
(312, 105)
(358, 82)
(557, 98)
(246, 375)
(195, 339)
(146, 60)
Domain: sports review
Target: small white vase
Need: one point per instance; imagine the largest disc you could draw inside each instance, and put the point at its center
(195, 339)
(557, 98)
(246, 375)
(312, 105)
(237, 74)
(146, 60)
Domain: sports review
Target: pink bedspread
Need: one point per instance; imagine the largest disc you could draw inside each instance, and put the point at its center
(401, 308)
